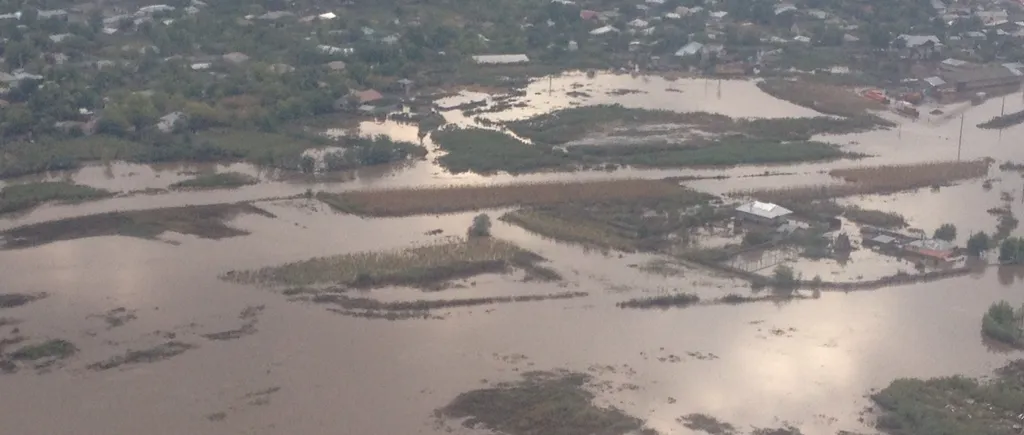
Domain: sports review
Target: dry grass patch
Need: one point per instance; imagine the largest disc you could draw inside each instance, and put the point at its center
(877, 180)
(418, 266)
(406, 202)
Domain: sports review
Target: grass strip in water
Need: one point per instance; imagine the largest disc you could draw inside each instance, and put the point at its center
(56, 349)
(666, 301)
(1004, 121)
(206, 221)
(11, 300)
(407, 202)
(875, 218)
(157, 353)
(216, 181)
(418, 266)
(541, 403)
(20, 197)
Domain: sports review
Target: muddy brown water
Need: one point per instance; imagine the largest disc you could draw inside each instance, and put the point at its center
(808, 363)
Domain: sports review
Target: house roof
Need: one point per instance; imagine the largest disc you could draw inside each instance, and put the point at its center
(783, 8)
(932, 245)
(603, 30)
(919, 40)
(500, 59)
(934, 81)
(638, 23)
(368, 95)
(954, 62)
(690, 49)
(883, 239)
(336, 65)
(766, 210)
(981, 74)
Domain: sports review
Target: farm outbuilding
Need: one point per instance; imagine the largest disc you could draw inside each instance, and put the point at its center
(762, 213)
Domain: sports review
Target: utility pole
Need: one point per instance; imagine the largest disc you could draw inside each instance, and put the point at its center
(719, 89)
(1003, 110)
(960, 142)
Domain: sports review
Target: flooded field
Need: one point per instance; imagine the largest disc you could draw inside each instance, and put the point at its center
(123, 322)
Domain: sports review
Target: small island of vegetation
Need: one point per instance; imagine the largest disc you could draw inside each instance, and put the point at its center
(1002, 323)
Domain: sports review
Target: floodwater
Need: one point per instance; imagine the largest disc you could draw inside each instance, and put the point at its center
(809, 363)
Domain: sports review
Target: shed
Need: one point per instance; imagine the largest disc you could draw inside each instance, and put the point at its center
(336, 65)
(762, 212)
(604, 30)
(983, 78)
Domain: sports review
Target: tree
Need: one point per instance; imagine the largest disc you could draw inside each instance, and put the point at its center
(945, 232)
(783, 278)
(481, 226)
(842, 244)
(1011, 251)
(978, 243)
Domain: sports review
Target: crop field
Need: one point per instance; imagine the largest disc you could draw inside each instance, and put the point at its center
(407, 202)
(419, 266)
(876, 180)
(583, 232)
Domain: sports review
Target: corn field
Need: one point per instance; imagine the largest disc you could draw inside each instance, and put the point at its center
(406, 202)
(876, 180)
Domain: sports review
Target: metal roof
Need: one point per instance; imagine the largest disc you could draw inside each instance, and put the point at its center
(934, 81)
(690, 49)
(497, 59)
(764, 209)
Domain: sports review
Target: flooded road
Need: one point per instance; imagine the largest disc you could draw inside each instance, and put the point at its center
(307, 370)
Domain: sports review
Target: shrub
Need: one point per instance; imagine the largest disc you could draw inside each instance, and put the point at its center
(783, 278)
(1011, 251)
(999, 323)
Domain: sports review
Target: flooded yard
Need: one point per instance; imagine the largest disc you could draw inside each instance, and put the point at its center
(130, 327)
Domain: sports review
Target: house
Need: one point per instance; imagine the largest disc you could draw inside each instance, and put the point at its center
(201, 66)
(638, 24)
(952, 64)
(280, 68)
(168, 121)
(390, 39)
(762, 213)
(691, 49)
(327, 16)
(587, 15)
(500, 59)
(329, 49)
(931, 248)
(236, 57)
(60, 37)
(368, 96)
(783, 8)
(336, 65)
(802, 39)
(153, 9)
(276, 15)
(60, 14)
(881, 241)
(912, 41)
(979, 79)
(604, 30)
(718, 15)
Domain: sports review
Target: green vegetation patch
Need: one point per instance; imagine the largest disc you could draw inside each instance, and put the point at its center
(55, 349)
(541, 403)
(216, 181)
(487, 151)
(419, 266)
(206, 221)
(19, 197)
(22, 158)
(735, 150)
(566, 125)
(954, 405)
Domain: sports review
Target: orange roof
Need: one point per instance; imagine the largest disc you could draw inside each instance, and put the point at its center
(368, 96)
